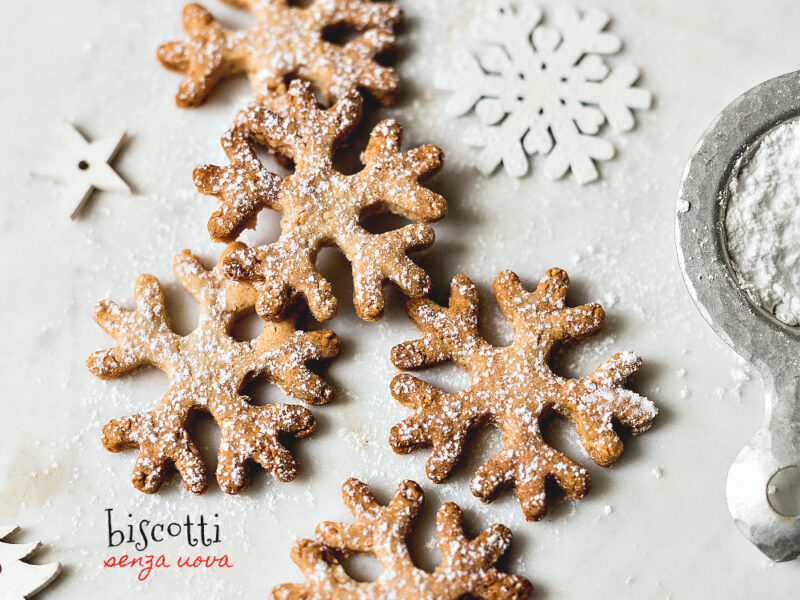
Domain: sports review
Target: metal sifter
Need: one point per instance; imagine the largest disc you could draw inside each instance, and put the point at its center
(772, 347)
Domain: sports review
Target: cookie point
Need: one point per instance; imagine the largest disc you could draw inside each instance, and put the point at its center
(507, 276)
(630, 358)
(309, 427)
(410, 490)
(325, 394)
(351, 482)
(558, 274)
(598, 311)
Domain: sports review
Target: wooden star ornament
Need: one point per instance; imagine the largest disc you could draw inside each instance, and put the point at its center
(84, 166)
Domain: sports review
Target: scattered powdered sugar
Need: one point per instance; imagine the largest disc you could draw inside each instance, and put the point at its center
(763, 224)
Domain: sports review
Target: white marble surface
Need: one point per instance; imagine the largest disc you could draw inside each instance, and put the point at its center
(637, 535)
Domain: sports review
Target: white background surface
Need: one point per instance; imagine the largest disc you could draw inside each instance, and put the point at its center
(93, 62)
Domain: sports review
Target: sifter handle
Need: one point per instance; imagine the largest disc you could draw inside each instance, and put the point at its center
(775, 446)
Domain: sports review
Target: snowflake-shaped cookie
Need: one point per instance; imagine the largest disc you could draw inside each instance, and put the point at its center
(544, 89)
(322, 206)
(207, 370)
(287, 41)
(466, 568)
(513, 388)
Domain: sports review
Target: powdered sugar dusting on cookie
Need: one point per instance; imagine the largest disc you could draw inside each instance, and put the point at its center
(467, 566)
(321, 206)
(207, 370)
(513, 387)
(287, 41)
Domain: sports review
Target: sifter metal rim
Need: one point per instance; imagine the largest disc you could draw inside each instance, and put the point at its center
(702, 200)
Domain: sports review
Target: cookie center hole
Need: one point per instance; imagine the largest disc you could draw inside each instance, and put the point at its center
(383, 222)
(362, 567)
(83, 165)
(247, 328)
(340, 34)
(783, 491)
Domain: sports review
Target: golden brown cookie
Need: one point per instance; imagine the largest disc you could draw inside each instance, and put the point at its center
(321, 206)
(207, 370)
(466, 567)
(287, 41)
(513, 388)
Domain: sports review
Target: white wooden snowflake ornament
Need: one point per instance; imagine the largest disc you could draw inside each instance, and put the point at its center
(544, 89)
(20, 580)
(84, 166)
